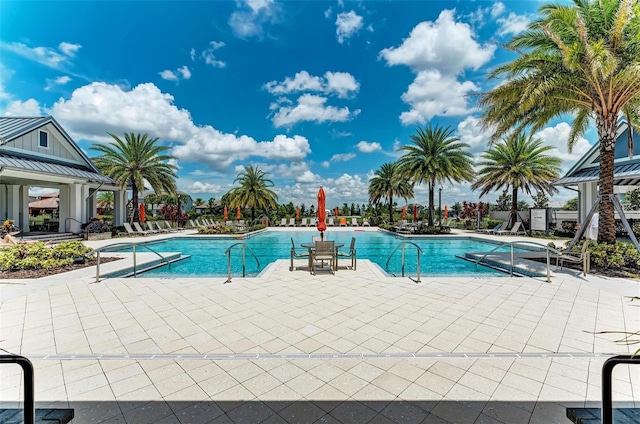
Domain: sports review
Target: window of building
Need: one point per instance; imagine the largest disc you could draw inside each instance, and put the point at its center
(44, 139)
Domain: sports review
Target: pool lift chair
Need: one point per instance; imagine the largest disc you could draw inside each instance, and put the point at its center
(351, 254)
(296, 255)
(583, 256)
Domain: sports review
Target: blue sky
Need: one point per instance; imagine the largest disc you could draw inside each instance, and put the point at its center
(312, 92)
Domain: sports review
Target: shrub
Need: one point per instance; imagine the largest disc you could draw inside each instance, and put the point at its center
(39, 255)
(621, 254)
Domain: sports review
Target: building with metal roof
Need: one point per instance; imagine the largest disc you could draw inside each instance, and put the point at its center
(38, 152)
(585, 174)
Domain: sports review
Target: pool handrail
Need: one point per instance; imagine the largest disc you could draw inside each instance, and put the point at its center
(244, 259)
(124, 244)
(548, 249)
(403, 244)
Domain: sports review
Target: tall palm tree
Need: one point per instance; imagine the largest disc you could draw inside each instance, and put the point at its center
(387, 183)
(254, 191)
(106, 199)
(580, 60)
(134, 160)
(435, 156)
(520, 163)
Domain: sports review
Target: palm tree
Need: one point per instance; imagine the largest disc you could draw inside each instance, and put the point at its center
(254, 191)
(387, 183)
(434, 157)
(581, 60)
(134, 160)
(211, 203)
(519, 162)
(106, 199)
(198, 201)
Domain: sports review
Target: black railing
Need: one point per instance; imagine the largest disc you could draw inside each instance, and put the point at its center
(27, 370)
(607, 371)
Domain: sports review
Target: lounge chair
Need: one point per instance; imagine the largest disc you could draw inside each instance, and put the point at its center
(583, 256)
(324, 251)
(168, 224)
(354, 222)
(164, 229)
(296, 255)
(142, 231)
(155, 228)
(130, 230)
(192, 224)
(351, 254)
(343, 222)
(330, 223)
(304, 222)
(513, 231)
(283, 223)
(500, 227)
(365, 223)
(292, 222)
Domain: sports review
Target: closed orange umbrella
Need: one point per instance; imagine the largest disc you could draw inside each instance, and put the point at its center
(404, 212)
(226, 214)
(142, 211)
(322, 204)
(446, 212)
(238, 214)
(415, 212)
(335, 211)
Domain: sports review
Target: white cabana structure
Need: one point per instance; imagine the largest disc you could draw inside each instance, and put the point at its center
(37, 152)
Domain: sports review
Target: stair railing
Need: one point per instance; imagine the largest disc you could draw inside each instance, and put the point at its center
(403, 246)
(244, 259)
(512, 244)
(126, 244)
(66, 221)
(29, 396)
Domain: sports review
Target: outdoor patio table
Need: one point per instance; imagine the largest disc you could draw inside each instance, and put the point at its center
(312, 246)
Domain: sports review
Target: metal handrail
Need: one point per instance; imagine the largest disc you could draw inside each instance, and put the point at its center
(403, 244)
(511, 244)
(244, 259)
(29, 397)
(607, 371)
(66, 220)
(124, 244)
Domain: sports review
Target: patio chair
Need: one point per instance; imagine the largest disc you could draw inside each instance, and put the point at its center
(164, 229)
(155, 228)
(354, 222)
(130, 230)
(304, 222)
(192, 224)
(500, 227)
(513, 231)
(324, 251)
(583, 256)
(365, 223)
(292, 222)
(283, 223)
(330, 223)
(343, 222)
(142, 231)
(351, 254)
(296, 255)
(168, 224)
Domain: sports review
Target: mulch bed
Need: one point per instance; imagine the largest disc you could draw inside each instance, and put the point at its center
(39, 273)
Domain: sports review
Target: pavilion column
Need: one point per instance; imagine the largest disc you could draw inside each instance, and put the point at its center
(589, 194)
(24, 208)
(76, 203)
(13, 203)
(3, 202)
(119, 207)
(63, 207)
(87, 200)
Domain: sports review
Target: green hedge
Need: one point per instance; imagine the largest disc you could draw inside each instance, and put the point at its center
(40, 256)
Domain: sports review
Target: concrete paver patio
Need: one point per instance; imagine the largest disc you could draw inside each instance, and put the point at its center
(355, 347)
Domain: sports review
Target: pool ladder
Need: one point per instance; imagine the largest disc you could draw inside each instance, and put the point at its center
(244, 259)
(133, 247)
(403, 246)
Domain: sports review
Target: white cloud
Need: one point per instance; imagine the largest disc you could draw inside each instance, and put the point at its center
(98, 108)
(252, 15)
(185, 72)
(328, 13)
(61, 80)
(368, 147)
(497, 9)
(168, 75)
(56, 59)
(29, 107)
(470, 131)
(347, 25)
(445, 45)
(69, 49)
(192, 53)
(340, 83)
(311, 108)
(512, 24)
(557, 137)
(438, 52)
(198, 187)
(209, 54)
(342, 157)
(433, 94)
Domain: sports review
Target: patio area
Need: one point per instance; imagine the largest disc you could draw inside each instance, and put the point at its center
(354, 347)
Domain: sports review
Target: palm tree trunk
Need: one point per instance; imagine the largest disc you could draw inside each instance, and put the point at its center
(431, 204)
(253, 213)
(134, 201)
(514, 207)
(391, 209)
(607, 220)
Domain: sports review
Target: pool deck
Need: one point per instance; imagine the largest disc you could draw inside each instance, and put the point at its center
(354, 347)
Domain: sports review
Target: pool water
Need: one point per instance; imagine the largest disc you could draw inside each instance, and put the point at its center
(208, 257)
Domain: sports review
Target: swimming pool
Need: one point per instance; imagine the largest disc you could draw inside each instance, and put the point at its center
(208, 258)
